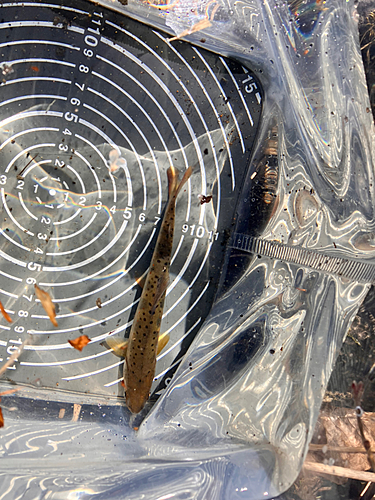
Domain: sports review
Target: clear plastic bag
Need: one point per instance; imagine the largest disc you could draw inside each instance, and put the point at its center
(270, 106)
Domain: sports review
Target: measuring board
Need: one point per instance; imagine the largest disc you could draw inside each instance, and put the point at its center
(94, 108)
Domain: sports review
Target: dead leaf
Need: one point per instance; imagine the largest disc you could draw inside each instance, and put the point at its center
(47, 303)
(10, 391)
(99, 302)
(80, 342)
(5, 314)
(204, 199)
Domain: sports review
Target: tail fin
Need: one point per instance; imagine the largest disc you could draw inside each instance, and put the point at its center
(173, 177)
(172, 173)
(185, 178)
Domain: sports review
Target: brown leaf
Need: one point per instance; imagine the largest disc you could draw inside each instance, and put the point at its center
(5, 314)
(204, 199)
(80, 342)
(10, 391)
(47, 303)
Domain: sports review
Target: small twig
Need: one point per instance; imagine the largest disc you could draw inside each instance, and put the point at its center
(14, 356)
(333, 470)
(200, 25)
(19, 176)
(336, 449)
(76, 412)
(357, 391)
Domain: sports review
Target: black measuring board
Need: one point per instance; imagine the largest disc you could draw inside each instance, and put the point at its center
(94, 107)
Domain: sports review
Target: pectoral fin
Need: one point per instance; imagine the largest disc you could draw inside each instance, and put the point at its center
(162, 342)
(141, 280)
(118, 345)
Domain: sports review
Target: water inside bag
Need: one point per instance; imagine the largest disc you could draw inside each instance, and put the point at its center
(97, 102)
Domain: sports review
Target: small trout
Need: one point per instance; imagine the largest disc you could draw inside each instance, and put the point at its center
(144, 343)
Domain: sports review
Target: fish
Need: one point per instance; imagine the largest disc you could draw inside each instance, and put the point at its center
(144, 342)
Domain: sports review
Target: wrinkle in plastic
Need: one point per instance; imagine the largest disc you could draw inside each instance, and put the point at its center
(255, 376)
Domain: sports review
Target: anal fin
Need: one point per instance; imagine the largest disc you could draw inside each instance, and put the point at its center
(118, 345)
(141, 280)
(162, 342)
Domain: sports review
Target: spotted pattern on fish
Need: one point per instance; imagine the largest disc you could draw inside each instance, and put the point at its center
(140, 357)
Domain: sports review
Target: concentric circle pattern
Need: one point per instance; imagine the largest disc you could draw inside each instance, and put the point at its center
(94, 107)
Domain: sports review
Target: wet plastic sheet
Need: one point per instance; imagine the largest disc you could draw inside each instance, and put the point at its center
(236, 419)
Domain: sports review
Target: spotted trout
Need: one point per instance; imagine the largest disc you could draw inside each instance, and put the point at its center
(144, 342)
